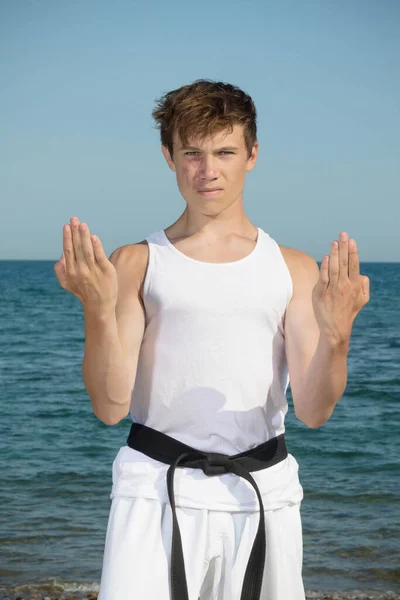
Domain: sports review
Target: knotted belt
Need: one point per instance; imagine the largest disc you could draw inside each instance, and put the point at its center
(166, 449)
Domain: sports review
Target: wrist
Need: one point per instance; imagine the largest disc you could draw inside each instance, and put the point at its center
(334, 343)
(98, 315)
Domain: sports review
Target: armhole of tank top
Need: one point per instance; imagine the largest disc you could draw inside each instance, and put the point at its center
(147, 277)
(286, 270)
(288, 276)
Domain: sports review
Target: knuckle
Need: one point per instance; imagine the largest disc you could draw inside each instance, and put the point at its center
(88, 256)
(83, 272)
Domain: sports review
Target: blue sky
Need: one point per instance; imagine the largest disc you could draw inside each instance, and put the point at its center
(80, 79)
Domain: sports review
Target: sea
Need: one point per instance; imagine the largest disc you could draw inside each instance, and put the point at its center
(56, 456)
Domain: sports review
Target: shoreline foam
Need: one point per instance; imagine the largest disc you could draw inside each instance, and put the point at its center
(37, 592)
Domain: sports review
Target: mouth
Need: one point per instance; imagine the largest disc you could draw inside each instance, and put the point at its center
(210, 193)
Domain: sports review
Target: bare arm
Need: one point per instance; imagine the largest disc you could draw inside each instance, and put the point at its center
(318, 326)
(317, 370)
(113, 339)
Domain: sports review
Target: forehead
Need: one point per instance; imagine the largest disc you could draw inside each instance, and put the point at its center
(221, 138)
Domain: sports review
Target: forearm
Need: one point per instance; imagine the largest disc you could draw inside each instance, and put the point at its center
(323, 383)
(104, 368)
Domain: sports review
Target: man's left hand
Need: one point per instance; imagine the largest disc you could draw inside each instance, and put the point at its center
(340, 292)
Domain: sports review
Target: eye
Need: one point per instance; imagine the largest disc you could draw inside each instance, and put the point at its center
(194, 153)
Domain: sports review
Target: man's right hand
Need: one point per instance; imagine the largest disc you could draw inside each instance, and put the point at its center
(85, 271)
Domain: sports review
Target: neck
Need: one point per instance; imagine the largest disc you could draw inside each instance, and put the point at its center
(213, 226)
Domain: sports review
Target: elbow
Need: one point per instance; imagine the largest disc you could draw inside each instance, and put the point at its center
(314, 423)
(313, 420)
(110, 417)
(313, 414)
(107, 420)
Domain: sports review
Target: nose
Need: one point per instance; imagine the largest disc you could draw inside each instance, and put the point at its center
(208, 167)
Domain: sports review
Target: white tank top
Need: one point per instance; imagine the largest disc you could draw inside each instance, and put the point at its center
(212, 373)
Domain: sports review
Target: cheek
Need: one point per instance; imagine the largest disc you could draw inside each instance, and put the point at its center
(188, 173)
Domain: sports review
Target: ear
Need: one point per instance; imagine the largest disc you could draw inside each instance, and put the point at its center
(168, 158)
(251, 162)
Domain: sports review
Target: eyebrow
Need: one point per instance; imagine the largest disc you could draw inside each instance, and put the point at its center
(225, 148)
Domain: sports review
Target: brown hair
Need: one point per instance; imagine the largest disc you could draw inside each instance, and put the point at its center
(204, 108)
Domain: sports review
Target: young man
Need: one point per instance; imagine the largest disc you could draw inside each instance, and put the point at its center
(195, 332)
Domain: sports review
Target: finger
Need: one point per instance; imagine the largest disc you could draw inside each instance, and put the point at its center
(99, 253)
(354, 261)
(324, 272)
(62, 262)
(76, 238)
(343, 256)
(366, 286)
(60, 270)
(68, 247)
(87, 246)
(334, 264)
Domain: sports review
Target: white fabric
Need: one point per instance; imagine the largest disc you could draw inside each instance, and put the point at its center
(135, 475)
(212, 373)
(216, 547)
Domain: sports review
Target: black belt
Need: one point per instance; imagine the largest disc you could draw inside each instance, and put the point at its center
(167, 450)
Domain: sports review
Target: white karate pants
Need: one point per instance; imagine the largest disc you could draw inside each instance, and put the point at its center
(216, 548)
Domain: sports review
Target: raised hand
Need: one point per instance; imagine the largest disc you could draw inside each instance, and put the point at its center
(84, 269)
(341, 292)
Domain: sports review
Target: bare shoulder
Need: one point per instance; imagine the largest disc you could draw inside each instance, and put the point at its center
(130, 262)
(303, 268)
